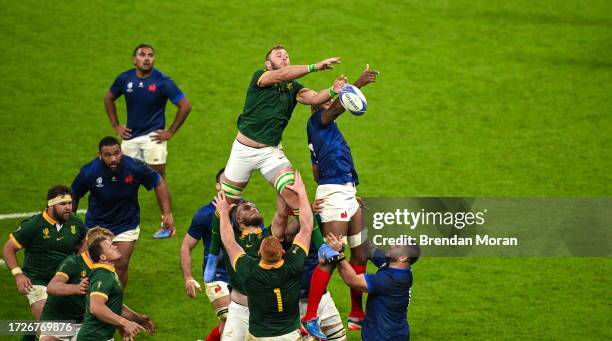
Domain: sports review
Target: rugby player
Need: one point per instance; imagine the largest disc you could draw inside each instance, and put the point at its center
(104, 308)
(334, 171)
(112, 180)
(146, 92)
(272, 283)
(216, 290)
(67, 289)
(47, 239)
(388, 292)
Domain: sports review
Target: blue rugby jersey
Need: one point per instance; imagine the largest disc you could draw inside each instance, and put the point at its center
(330, 152)
(201, 229)
(387, 304)
(113, 196)
(146, 99)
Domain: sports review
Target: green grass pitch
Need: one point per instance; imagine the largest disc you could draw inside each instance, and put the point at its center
(475, 98)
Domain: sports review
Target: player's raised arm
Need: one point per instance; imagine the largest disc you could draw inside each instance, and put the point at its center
(227, 234)
(311, 97)
(303, 236)
(280, 71)
(336, 109)
(348, 274)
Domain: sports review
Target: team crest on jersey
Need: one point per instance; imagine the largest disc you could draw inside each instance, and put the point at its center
(129, 87)
(129, 179)
(83, 274)
(152, 87)
(46, 233)
(289, 86)
(73, 229)
(99, 183)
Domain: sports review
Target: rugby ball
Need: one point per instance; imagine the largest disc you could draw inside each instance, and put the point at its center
(353, 100)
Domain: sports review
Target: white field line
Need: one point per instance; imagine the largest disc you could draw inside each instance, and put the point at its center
(26, 214)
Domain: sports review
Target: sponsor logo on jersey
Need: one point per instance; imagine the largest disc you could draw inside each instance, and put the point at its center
(73, 229)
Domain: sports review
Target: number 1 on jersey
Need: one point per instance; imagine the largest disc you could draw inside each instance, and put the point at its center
(279, 300)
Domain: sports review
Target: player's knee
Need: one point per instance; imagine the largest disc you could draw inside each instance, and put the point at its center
(358, 239)
(283, 180)
(231, 191)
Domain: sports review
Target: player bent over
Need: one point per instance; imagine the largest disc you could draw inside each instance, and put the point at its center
(217, 290)
(334, 171)
(388, 292)
(104, 308)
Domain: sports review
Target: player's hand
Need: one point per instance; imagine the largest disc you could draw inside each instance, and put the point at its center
(318, 205)
(122, 131)
(146, 322)
(339, 83)
(190, 287)
(328, 64)
(23, 283)
(222, 205)
(367, 76)
(130, 330)
(82, 287)
(298, 186)
(167, 221)
(161, 135)
(361, 203)
(334, 242)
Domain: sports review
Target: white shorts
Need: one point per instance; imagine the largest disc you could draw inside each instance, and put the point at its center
(327, 312)
(340, 202)
(293, 336)
(38, 292)
(73, 337)
(128, 236)
(237, 323)
(145, 149)
(244, 159)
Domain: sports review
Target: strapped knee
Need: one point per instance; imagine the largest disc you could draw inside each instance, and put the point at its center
(283, 180)
(231, 191)
(358, 239)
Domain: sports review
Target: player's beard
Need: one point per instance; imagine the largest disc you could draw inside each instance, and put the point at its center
(253, 221)
(59, 217)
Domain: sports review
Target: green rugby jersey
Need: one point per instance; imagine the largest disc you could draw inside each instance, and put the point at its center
(267, 110)
(102, 282)
(273, 292)
(45, 246)
(74, 268)
(250, 242)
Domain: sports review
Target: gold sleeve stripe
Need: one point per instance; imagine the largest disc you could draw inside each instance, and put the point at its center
(97, 293)
(11, 237)
(63, 274)
(259, 79)
(302, 246)
(236, 260)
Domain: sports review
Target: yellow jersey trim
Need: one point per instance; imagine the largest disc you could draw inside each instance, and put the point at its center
(104, 266)
(88, 261)
(97, 293)
(63, 274)
(301, 246)
(236, 260)
(271, 266)
(48, 218)
(11, 237)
